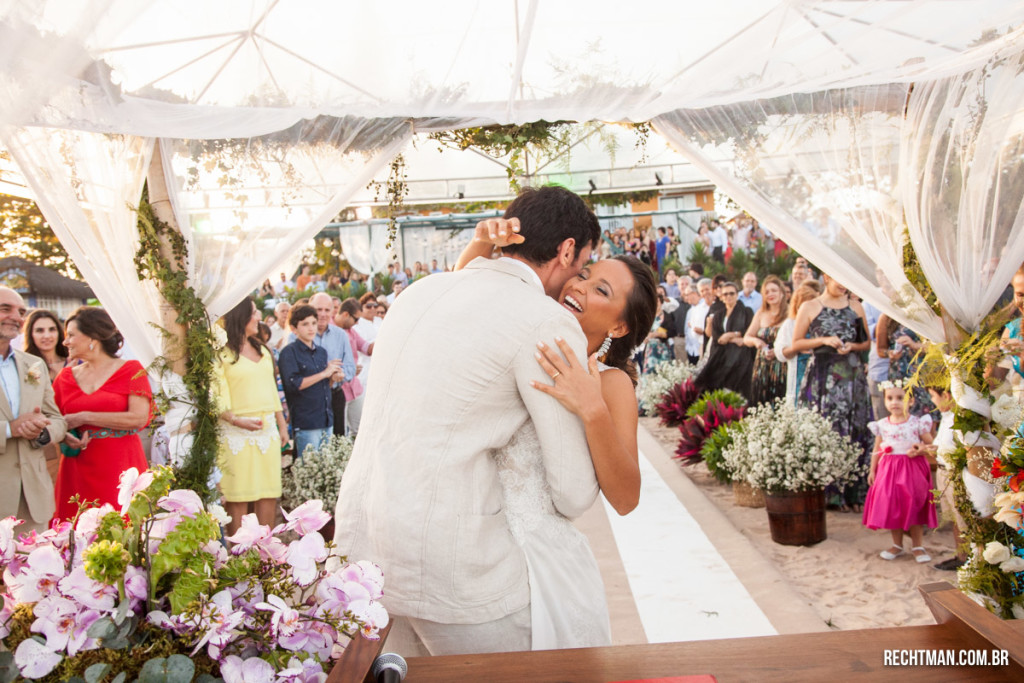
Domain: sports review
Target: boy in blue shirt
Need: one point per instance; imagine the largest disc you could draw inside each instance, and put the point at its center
(307, 375)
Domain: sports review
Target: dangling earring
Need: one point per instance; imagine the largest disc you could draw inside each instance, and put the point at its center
(605, 345)
(92, 345)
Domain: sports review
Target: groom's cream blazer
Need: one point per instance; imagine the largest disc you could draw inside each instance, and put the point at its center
(450, 384)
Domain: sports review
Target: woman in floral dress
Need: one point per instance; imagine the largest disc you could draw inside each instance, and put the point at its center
(769, 381)
(833, 327)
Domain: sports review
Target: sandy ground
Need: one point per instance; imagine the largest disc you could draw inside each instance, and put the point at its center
(842, 578)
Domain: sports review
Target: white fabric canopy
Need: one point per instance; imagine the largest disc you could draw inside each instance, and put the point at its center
(881, 112)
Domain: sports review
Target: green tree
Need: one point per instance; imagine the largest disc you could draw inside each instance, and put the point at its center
(26, 233)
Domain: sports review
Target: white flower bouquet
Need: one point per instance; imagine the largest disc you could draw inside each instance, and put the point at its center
(654, 385)
(779, 447)
(150, 593)
(317, 474)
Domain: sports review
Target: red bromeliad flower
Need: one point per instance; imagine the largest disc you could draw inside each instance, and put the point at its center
(675, 402)
(696, 429)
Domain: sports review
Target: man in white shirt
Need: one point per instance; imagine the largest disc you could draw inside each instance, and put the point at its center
(695, 319)
(279, 330)
(396, 288)
(366, 327)
(719, 241)
(282, 285)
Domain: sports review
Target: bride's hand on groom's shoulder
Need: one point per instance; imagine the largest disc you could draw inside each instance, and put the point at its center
(576, 387)
(498, 232)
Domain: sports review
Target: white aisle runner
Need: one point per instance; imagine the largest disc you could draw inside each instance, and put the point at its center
(683, 588)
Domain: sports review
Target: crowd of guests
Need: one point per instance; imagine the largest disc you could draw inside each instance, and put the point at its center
(810, 341)
(292, 377)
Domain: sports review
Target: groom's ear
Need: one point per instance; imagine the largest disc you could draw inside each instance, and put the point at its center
(567, 252)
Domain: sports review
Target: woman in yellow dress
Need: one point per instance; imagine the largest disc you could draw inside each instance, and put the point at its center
(253, 426)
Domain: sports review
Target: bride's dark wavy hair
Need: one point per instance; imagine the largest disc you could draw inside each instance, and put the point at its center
(641, 307)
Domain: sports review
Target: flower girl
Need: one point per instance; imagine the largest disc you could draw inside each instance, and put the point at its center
(900, 496)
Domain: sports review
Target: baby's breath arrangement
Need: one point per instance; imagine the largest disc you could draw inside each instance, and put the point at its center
(317, 474)
(654, 385)
(780, 447)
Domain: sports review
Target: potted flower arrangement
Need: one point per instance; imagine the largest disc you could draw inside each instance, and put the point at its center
(317, 476)
(150, 593)
(712, 410)
(654, 385)
(792, 454)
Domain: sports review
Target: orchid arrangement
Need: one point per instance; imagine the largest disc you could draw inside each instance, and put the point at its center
(129, 593)
(654, 385)
(779, 447)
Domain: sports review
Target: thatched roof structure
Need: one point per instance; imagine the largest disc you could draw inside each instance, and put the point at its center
(42, 281)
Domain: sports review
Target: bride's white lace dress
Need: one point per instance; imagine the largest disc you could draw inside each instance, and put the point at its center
(567, 602)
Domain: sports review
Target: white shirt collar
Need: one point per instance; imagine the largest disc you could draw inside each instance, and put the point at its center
(527, 268)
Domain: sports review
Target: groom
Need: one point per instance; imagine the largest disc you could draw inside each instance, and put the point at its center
(451, 372)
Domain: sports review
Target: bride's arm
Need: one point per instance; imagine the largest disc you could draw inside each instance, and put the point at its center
(606, 403)
(491, 233)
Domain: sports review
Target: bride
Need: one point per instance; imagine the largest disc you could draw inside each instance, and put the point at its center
(614, 301)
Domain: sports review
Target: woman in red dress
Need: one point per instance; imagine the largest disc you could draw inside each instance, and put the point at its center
(107, 401)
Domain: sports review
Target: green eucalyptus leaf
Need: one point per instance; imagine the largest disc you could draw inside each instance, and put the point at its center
(8, 669)
(122, 611)
(180, 669)
(120, 678)
(102, 629)
(96, 672)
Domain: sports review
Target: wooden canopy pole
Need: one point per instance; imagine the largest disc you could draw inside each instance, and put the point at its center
(174, 341)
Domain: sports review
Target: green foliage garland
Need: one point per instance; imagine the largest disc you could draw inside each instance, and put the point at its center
(171, 277)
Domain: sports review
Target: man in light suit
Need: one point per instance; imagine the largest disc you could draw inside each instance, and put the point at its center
(451, 374)
(28, 421)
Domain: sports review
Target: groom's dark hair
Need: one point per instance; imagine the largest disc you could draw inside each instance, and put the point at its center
(547, 217)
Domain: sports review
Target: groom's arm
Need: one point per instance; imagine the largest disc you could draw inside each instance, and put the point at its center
(563, 442)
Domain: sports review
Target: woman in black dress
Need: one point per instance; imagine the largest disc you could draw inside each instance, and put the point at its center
(730, 364)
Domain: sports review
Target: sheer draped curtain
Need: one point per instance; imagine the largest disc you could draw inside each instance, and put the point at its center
(243, 205)
(87, 185)
(821, 171)
(845, 176)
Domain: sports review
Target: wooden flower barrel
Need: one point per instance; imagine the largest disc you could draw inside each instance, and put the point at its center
(796, 517)
(745, 495)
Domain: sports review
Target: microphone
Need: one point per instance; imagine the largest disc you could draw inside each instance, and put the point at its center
(389, 668)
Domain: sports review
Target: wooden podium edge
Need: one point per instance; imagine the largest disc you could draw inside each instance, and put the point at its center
(354, 664)
(954, 609)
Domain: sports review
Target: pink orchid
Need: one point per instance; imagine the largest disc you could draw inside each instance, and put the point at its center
(252, 534)
(183, 501)
(38, 578)
(63, 625)
(307, 518)
(303, 671)
(303, 556)
(131, 483)
(8, 546)
(6, 610)
(291, 631)
(135, 586)
(86, 592)
(34, 659)
(219, 620)
(253, 670)
(367, 574)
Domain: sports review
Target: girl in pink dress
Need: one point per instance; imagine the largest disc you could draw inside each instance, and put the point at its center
(900, 497)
